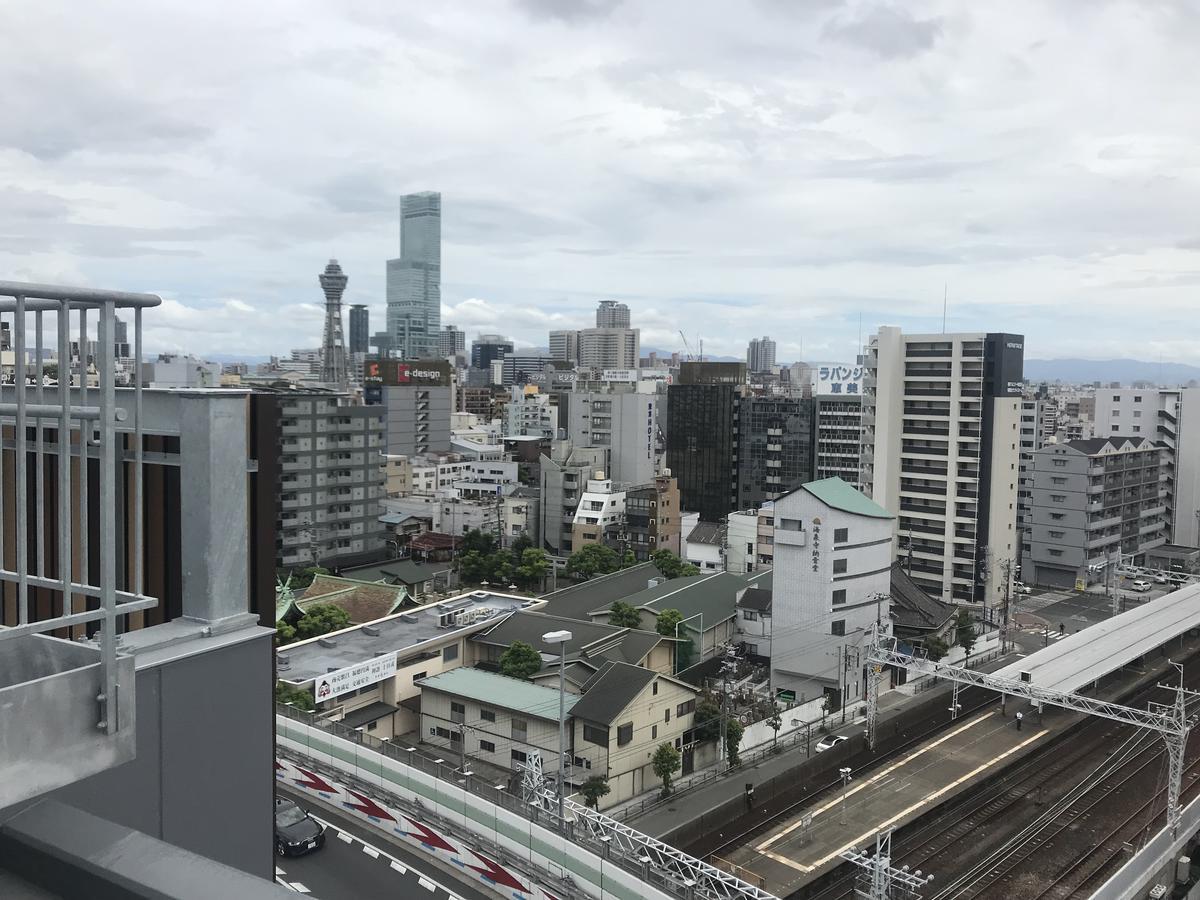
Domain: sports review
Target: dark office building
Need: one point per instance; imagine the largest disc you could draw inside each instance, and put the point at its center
(487, 348)
(701, 446)
(774, 447)
(360, 328)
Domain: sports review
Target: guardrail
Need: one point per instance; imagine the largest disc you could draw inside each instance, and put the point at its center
(603, 856)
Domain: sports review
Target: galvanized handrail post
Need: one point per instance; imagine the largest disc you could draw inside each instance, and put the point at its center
(108, 504)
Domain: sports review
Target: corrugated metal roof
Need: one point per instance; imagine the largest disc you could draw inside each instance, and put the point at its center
(610, 690)
(1081, 658)
(838, 494)
(500, 691)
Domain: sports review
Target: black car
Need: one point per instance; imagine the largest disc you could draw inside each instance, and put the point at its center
(296, 832)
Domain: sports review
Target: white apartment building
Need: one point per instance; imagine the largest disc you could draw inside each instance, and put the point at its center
(1171, 418)
(941, 432)
(530, 413)
(600, 506)
(831, 585)
(609, 348)
(1031, 441)
(623, 423)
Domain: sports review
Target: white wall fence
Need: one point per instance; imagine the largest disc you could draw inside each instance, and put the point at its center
(794, 719)
(505, 850)
(987, 647)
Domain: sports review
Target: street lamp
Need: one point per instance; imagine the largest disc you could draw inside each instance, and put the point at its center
(561, 638)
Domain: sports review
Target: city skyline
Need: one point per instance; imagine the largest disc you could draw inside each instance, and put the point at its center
(819, 165)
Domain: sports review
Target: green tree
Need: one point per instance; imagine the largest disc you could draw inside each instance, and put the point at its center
(532, 567)
(321, 618)
(667, 621)
(707, 721)
(624, 615)
(501, 569)
(483, 542)
(774, 721)
(666, 762)
(520, 660)
(298, 697)
(964, 632)
(519, 545)
(473, 566)
(284, 634)
(593, 789)
(591, 560)
(671, 566)
(302, 578)
(935, 648)
(733, 737)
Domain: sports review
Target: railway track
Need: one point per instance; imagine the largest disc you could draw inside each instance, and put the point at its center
(1076, 844)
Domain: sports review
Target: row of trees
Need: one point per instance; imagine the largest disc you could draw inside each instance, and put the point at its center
(318, 619)
(482, 559)
(593, 560)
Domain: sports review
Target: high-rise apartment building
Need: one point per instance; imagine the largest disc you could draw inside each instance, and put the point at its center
(564, 346)
(360, 328)
(330, 481)
(451, 342)
(760, 356)
(611, 314)
(610, 348)
(414, 280)
(941, 416)
(530, 414)
(1030, 442)
(1094, 503)
(1171, 418)
(487, 348)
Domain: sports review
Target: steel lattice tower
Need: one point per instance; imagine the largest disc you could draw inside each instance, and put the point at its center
(333, 348)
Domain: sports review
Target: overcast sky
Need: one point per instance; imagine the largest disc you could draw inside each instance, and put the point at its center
(790, 167)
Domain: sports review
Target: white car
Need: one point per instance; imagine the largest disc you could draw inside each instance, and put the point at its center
(1160, 578)
(1022, 588)
(1141, 585)
(830, 741)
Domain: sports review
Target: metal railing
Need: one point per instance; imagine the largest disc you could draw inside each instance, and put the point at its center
(54, 435)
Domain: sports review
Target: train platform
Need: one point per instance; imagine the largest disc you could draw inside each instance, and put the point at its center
(810, 843)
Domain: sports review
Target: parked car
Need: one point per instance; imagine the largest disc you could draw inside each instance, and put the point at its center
(830, 741)
(1021, 588)
(1161, 578)
(296, 832)
(1141, 585)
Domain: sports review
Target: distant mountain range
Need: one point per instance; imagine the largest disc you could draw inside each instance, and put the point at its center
(1126, 371)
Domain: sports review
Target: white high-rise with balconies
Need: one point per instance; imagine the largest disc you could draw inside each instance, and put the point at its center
(760, 355)
(1171, 418)
(941, 434)
(611, 314)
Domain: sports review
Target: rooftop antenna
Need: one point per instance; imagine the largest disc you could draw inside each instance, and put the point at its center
(945, 296)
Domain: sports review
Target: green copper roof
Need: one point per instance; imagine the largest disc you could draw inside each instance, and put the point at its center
(836, 493)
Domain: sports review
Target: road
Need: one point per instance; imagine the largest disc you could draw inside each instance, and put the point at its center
(358, 862)
(1047, 611)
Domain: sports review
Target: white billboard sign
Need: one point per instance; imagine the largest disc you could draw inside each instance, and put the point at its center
(343, 681)
(619, 375)
(835, 379)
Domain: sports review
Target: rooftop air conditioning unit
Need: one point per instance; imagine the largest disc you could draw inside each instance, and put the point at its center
(446, 619)
(654, 582)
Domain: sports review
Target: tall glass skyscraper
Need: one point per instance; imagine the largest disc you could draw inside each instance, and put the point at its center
(414, 281)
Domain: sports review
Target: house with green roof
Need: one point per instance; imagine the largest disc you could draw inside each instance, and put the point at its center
(831, 584)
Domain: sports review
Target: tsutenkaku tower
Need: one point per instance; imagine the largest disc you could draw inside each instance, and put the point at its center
(333, 349)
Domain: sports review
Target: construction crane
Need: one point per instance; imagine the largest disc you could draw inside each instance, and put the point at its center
(690, 356)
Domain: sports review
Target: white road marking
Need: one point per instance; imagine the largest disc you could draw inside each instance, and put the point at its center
(279, 871)
(299, 888)
(396, 865)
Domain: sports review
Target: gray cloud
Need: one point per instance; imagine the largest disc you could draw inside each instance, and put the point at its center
(726, 168)
(888, 31)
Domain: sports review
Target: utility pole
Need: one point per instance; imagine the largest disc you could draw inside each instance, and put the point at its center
(1006, 566)
(844, 772)
(878, 879)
